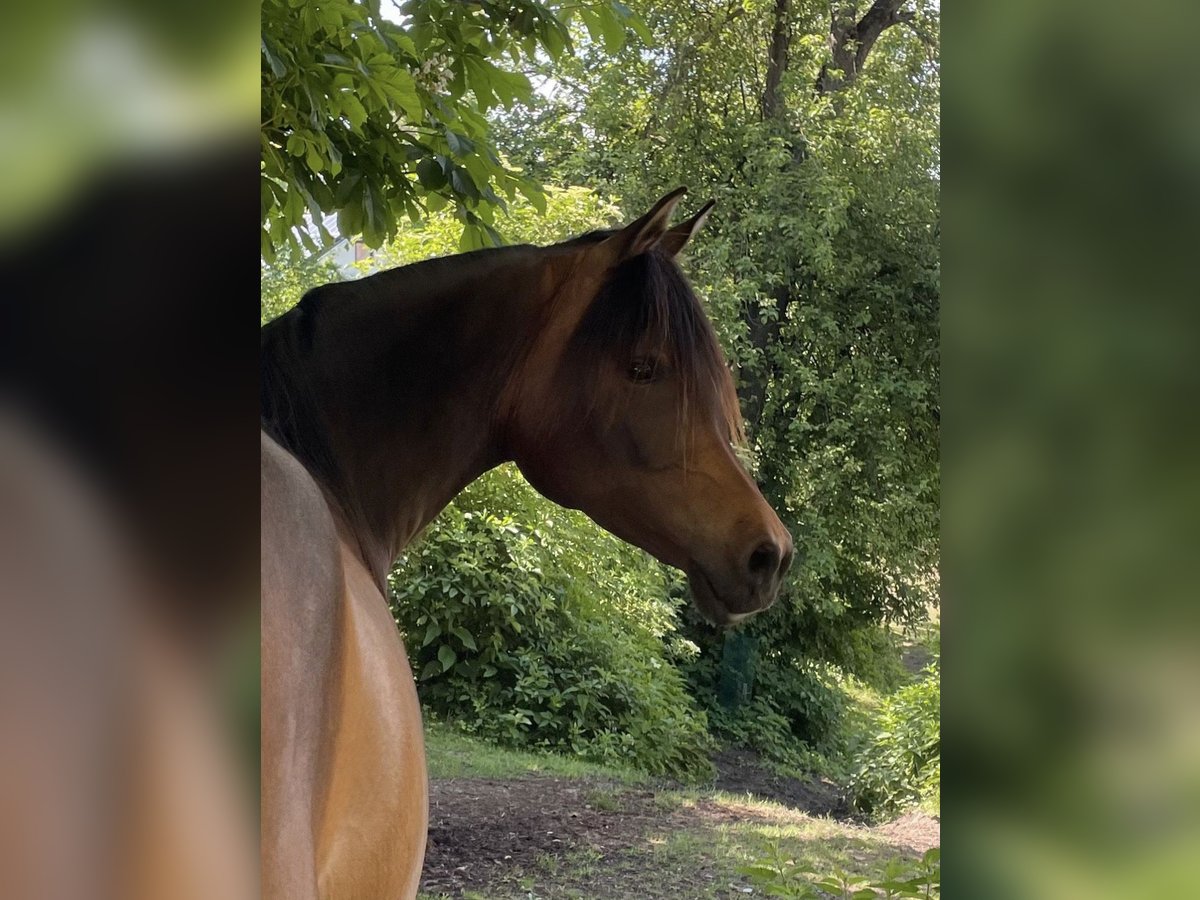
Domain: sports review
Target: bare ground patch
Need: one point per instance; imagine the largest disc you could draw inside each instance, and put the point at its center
(741, 772)
(483, 830)
(586, 838)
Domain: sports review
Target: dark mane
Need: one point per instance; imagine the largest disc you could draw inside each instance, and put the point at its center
(287, 408)
(648, 299)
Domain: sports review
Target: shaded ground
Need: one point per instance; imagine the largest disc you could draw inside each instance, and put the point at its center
(739, 772)
(540, 836)
(915, 657)
(481, 830)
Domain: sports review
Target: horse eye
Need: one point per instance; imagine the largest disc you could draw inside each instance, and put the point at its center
(641, 371)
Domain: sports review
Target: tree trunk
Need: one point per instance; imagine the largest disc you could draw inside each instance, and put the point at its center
(777, 59)
(850, 41)
(752, 385)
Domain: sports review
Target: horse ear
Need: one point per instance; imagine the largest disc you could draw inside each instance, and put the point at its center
(675, 239)
(647, 231)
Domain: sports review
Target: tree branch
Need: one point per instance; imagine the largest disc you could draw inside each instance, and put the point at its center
(850, 42)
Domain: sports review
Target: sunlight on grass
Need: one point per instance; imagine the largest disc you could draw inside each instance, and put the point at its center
(451, 754)
(693, 844)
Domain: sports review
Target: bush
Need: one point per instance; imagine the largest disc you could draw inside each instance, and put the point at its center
(902, 764)
(537, 629)
(790, 714)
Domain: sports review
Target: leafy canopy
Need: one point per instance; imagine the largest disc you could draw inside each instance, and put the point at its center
(377, 120)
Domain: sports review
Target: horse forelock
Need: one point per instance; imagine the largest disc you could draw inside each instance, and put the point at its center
(646, 302)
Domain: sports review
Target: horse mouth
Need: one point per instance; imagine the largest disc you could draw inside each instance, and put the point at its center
(706, 598)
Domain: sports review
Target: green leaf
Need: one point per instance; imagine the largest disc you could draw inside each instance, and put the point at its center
(613, 29)
(554, 40)
(465, 636)
(591, 21)
(459, 145)
(347, 187)
(278, 69)
(431, 633)
(400, 87)
(461, 181)
(313, 159)
(353, 109)
(430, 174)
(447, 657)
(640, 28)
(758, 872)
(431, 668)
(265, 248)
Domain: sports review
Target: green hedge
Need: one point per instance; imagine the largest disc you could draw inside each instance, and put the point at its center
(528, 625)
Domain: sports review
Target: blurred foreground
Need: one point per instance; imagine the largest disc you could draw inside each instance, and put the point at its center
(128, 469)
(1072, 510)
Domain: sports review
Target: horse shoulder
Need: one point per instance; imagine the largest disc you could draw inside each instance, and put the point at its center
(345, 805)
(300, 582)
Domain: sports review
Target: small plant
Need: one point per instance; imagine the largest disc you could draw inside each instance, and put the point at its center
(778, 876)
(902, 764)
(602, 800)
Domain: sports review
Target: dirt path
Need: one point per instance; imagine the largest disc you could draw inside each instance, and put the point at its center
(540, 836)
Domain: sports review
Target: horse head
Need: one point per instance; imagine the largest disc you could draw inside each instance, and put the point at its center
(624, 407)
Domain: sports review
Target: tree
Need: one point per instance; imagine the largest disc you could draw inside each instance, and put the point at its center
(378, 120)
(851, 38)
(820, 267)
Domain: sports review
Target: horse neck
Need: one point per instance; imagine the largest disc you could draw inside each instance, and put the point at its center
(412, 364)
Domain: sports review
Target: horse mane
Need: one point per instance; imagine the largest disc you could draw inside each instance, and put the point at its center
(648, 298)
(288, 409)
(645, 298)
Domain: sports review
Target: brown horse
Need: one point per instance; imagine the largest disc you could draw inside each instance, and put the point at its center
(592, 366)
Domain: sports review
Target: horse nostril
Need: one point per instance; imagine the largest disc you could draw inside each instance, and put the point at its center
(786, 562)
(764, 561)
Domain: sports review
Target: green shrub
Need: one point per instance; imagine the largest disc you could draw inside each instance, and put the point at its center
(778, 876)
(791, 712)
(902, 764)
(537, 629)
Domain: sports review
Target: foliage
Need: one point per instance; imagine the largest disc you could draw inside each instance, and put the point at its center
(282, 284)
(564, 213)
(533, 627)
(902, 764)
(820, 270)
(779, 876)
(379, 120)
(789, 719)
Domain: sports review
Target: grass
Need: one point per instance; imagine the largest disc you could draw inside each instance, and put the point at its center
(452, 754)
(684, 843)
(701, 860)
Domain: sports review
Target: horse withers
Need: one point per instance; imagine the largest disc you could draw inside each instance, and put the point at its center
(592, 366)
